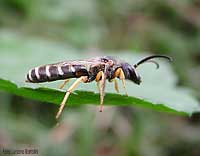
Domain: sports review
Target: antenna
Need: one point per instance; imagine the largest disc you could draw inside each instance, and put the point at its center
(148, 59)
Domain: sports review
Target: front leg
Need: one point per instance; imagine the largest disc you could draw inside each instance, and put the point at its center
(119, 73)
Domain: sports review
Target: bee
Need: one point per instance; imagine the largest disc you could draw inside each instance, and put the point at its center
(97, 69)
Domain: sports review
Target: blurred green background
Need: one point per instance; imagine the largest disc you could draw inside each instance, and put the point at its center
(161, 27)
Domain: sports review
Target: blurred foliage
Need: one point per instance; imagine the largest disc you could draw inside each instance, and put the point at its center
(167, 27)
(148, 94)
(170, 27)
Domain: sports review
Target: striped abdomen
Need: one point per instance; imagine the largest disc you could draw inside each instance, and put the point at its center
(55, 72)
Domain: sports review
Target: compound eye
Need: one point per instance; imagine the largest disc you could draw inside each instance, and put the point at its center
(139, 79)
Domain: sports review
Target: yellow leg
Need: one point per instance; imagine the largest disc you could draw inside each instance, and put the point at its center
(98, 85)
(63, 84)
(119, 72)
(71, 88)
(100, 78)
(115, 84)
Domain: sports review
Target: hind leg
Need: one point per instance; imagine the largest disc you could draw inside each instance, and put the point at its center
(63, 84)
(71, 88)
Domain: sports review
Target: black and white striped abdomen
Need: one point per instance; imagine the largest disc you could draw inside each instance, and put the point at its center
(55, 72)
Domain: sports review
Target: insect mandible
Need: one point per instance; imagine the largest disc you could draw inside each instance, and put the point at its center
(97, 69)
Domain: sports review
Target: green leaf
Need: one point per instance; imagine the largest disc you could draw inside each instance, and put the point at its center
(47, 95)
(158, 90)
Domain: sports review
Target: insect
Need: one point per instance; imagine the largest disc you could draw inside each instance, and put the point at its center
(97, 69)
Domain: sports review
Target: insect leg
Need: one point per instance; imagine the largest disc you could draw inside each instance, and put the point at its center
(101, 79)
(71, 88)
(119, 72)
(115, 84)
(98, 85)
(63, 84)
